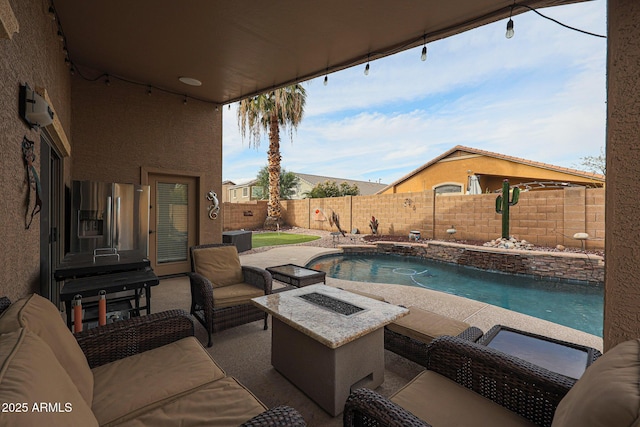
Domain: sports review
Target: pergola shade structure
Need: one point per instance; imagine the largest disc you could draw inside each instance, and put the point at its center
(241, 48)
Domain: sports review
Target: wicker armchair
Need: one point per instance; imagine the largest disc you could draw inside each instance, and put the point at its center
(210, 310)
(521, 387)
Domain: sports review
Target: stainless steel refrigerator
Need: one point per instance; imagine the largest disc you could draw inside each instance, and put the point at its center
(109, 218)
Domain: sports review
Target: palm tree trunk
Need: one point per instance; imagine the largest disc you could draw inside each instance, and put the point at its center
(273, 156)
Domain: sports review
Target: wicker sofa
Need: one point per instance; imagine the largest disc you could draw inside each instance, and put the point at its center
(148, 370)
(470, 384)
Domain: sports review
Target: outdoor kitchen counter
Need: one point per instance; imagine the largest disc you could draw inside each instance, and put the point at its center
(324, 325)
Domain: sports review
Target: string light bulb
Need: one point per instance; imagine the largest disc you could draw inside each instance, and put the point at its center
(148, 90)
(60, 36)
(423, 56)
(326, 80)
(366, 70)
(510, 31)
(52, 13)
(106, 80)
(185, 100)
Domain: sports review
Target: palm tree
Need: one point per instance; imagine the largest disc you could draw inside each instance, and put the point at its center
(268, 112)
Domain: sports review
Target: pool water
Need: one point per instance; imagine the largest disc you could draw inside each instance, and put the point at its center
(576, 305)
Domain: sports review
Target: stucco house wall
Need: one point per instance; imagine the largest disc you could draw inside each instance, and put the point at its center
(114, 132)
(33, 56)
(118, 130)
(622, 269)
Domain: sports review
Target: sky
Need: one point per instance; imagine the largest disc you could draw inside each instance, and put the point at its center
(540, 95)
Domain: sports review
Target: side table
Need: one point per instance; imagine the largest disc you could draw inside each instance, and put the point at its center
(296, 275)
(562, 357)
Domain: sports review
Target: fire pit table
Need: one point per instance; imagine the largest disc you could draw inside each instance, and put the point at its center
(327, 341)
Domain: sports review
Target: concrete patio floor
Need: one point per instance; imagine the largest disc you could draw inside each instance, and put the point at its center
(244, 351)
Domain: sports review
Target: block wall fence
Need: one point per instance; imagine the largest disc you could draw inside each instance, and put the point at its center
(546, 218)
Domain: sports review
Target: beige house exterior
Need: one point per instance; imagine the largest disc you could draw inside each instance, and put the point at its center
(450, 173)
(132, 131)
(250, 191)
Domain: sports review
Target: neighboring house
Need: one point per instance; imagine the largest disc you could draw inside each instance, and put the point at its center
(250, 191)
(453, 171)
(243, 193)
(226, 185)
(307, 182)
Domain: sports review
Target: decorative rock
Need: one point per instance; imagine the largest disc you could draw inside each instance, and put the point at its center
(560, 247)
(510, 243)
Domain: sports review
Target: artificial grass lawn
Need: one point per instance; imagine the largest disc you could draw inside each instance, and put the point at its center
(272, 239)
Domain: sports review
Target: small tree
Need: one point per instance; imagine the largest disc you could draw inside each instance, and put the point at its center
(597, 164)
(288, 183)
(331, 189)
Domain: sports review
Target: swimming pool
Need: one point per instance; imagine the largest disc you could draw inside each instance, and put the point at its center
(577, 305)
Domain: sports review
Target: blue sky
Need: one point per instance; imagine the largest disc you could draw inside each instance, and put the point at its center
(540, 95)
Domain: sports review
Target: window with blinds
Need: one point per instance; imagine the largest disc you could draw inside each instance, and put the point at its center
(172, 222)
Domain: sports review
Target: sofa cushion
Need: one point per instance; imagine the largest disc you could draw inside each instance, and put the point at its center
(41, 317)
(146, 379)
(31, 375)
(225, 403)
(441, 402)
(220, 264)
(240, 293)
(425, 326)
(607, 394)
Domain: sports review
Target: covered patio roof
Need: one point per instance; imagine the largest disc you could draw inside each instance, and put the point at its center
(242, 48)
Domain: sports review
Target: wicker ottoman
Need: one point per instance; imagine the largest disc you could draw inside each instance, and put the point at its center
(410, 335)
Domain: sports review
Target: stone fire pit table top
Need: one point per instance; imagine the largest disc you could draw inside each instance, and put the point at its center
(323, 324)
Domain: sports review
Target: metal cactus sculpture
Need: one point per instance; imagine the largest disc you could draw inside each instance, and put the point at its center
(503, 203)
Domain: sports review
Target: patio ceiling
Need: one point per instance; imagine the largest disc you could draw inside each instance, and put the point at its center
(241, 48)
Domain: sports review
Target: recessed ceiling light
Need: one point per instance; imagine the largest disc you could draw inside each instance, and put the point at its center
(190, 81)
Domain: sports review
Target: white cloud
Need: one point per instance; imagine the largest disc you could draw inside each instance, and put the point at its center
(540, 95)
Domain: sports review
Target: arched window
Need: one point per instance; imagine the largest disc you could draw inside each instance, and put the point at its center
(448, 189)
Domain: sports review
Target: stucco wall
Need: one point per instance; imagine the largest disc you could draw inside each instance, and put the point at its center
(33, 56)
(118, 129)
(545, 218)
(622, 274)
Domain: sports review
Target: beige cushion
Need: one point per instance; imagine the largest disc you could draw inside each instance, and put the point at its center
(442, 402)
(425, 326)
(222, 403)
(607, 394)
(31, 374)
(41, 317)
(240, 293)
(220, 264)
(148, 379)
